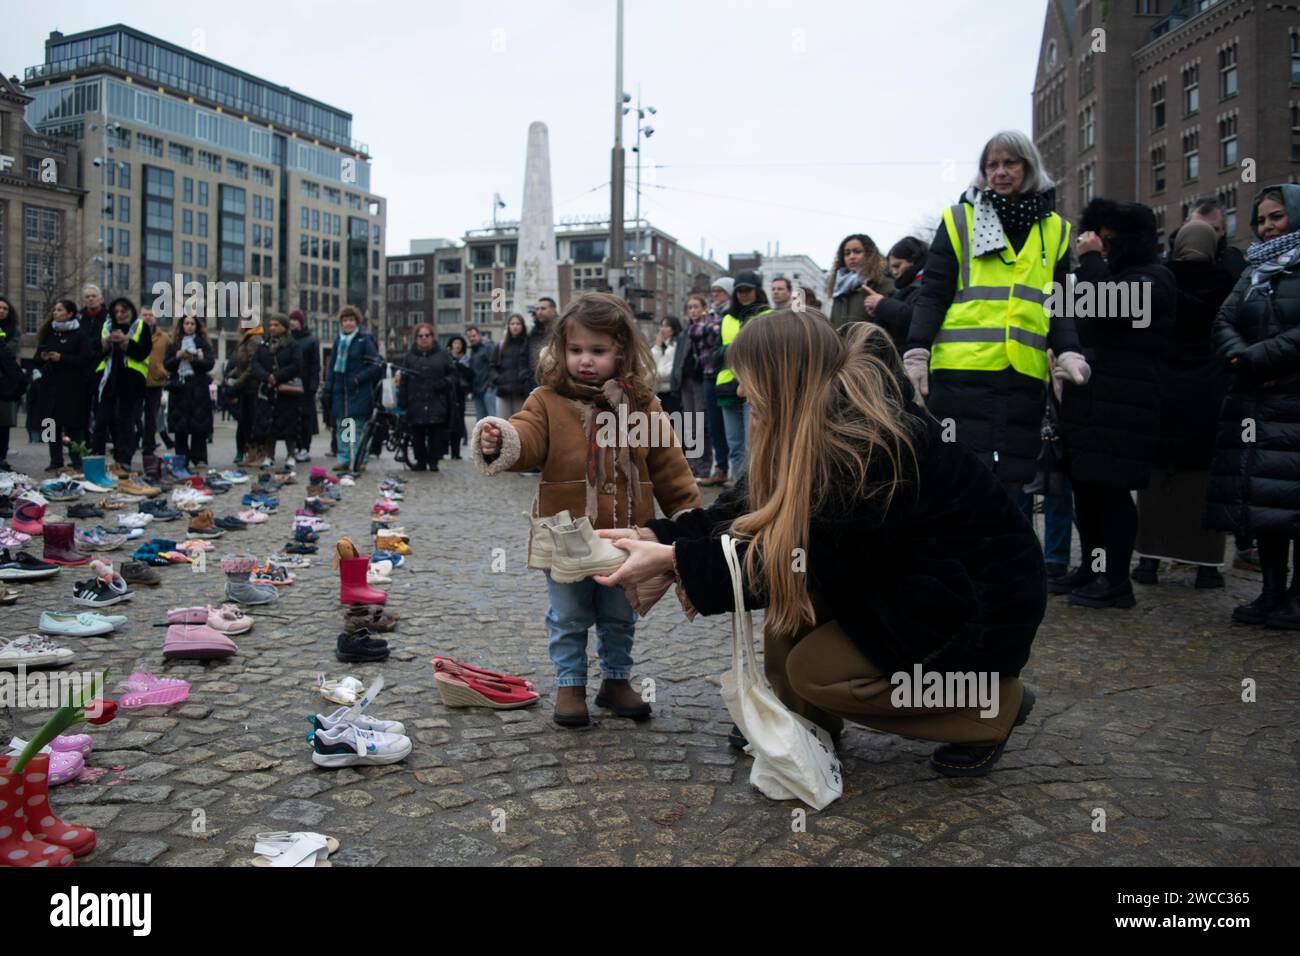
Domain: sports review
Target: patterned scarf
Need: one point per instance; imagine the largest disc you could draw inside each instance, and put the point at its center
(614, 394)
(847, 282)
(341, 351)
(69, 326)
(996, 214)
(1273, 257)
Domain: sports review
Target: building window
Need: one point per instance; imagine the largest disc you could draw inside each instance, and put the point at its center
(123, 242)
(1191, 89)
(415, 292)
(1158, 166)
(449, 291)
(482, 257)
(1295, 132)
(396, 292)
(448, 266)
(1228, 196)
(203, 224)
(1158, 105)
(482, 312)
(1086, 81)
(304, 218)
(1191, 156)
(482, 283)
(416, 267)
(187, 222)
(257, 206)
(1087, 183)
(149, 145)
(203, 194)
(396, 268)
(1088, 127)
(263, 177)
(1228, 72)
(202, 256)
(187, 253)
(187, 189)
(123, 208)
(1295, 57)
(237, 169)
(180, 154)
(1228, 142)
(268, 208)
(209, 161)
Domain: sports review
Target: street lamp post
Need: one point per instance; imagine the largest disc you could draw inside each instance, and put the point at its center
(615, 268)
(641, 127)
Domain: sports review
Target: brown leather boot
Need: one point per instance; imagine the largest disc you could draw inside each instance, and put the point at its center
(618, 696)
(571, 707)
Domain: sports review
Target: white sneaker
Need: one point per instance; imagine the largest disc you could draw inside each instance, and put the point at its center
(348, 746)
(75, 625)
(137, 519)
(33, 650)
(186, 495)
(310, 521)
(379, 572)
(344, 716)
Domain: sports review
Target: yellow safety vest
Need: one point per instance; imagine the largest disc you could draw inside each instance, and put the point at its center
(730, 329)
(134, 334)
(997, 317)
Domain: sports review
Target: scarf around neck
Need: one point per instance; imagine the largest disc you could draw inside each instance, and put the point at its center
(186, 368)
(1273, 257)
(341, 353)
(610, 397)
(996, 215)
(847, 282)
(69, 326)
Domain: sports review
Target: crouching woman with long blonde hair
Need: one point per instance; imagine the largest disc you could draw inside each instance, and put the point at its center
(882, 552)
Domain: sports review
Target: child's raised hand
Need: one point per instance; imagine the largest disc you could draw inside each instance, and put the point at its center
(489, 440)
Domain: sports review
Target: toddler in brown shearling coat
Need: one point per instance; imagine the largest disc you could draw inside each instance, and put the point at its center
(596, 362)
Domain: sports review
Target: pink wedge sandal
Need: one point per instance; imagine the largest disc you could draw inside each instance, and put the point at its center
(142, 689)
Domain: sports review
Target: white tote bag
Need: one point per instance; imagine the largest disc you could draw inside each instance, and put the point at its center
(388, 395)
(794, 759)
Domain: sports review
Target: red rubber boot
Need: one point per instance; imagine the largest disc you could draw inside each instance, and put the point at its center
(352, 583)
(59, 544)
(17, 846)
(41, 821)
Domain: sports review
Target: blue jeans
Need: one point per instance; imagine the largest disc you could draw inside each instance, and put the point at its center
(1058, 521)
(717, 429)
(736, 421)
(1058, 518)
(485, 404)
(341, 435)
(574, 609)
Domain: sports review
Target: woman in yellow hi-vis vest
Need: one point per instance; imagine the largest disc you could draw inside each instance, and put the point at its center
(977, 348)
(119, 382)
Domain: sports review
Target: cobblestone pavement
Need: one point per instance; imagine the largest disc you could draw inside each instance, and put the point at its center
(1139, 715)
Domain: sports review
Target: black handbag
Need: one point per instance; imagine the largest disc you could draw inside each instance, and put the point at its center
(1051, 478)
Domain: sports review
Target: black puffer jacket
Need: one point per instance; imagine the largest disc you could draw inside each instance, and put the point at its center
(951, 577)
(1255, 485)
(277, 415)
(63, 389)
(1193, 380)
(189, 402)
(999, 415)
(425, 389)
(1109, 425)
(514, 377)
(894, 312)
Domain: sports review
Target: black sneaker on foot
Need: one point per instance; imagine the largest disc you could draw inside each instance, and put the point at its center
(962, 760)
(1102, 594)
(1068, 582)
(1147, 571)
(1207, 577)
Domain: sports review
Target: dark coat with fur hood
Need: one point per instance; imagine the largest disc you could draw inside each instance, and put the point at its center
(950, 577)
(1109, 425)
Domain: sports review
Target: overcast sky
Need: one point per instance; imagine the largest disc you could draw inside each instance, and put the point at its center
(796, 121)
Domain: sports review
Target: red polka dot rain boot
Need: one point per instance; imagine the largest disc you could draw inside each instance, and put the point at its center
(17, 846)
(41, 821)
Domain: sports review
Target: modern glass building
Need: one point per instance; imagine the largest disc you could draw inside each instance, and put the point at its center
(198, 170)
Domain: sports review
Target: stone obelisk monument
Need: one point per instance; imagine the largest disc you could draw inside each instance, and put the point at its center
(536, 274)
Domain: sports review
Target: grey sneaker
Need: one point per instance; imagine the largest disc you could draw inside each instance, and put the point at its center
(539, 542)
(579, 552)
(240, 590)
